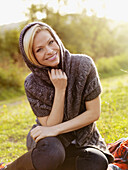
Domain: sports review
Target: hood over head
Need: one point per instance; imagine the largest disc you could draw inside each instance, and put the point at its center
(39, 70)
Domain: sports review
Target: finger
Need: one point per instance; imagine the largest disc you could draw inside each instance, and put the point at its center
(34, 136)
(53, 73)
(62, 74)
(38, 138)
(65, 76)
(35, 132)
(32, 133)
(49, 74)
(58, 73)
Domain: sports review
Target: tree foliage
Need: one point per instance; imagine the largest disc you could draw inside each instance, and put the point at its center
(99, 38)
(80, 33)
(84, 34)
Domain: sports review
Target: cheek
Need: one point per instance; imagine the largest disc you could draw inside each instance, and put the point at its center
(40, 56)
(56, 47)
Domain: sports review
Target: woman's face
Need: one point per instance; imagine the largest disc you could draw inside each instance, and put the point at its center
(46, 50)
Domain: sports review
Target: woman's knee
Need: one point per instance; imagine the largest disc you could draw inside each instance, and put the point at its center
(48, 154)
(92, 159)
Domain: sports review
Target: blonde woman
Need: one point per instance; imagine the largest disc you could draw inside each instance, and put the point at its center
(63, 90)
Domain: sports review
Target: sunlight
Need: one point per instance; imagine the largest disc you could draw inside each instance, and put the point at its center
(14, 10)
(11, 11)
(40, 15)
(112, 9)
(117, 10)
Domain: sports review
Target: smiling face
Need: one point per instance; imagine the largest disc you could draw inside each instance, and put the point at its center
(45, 49)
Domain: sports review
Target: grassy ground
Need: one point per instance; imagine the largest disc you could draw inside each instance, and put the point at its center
(113, 122)
(16, 118)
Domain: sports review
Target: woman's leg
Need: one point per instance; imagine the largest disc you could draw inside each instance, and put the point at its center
(70, 159)
(48, 154)
(91, 159)
(84, 159)
(22, 163)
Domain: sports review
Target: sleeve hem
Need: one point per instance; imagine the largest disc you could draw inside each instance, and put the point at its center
(95, 93)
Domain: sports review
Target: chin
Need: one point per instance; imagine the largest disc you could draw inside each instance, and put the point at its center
(55, 65)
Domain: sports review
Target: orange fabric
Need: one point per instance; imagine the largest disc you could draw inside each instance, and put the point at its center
(2, 165)
(119, 149)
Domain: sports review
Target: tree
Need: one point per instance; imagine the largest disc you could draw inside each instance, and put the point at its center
(81, 33)
(11, 44)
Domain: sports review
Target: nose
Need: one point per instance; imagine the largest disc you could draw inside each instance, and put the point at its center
(48, 50)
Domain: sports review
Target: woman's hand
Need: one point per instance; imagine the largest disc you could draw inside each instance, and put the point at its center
(58, 78)
(41, 132)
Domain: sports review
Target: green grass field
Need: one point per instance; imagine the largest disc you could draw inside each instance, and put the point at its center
(113, 122)
(16, 118)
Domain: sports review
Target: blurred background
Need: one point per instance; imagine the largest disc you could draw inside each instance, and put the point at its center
(98, 28)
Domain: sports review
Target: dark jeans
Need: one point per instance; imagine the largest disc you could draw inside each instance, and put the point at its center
(50, 154)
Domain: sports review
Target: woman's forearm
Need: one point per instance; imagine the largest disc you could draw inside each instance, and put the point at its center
(90, 115)
(57, 112)
(56, 115)
(78, 122)
(59, 80)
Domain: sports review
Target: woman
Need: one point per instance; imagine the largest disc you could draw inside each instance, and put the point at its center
(64, 93)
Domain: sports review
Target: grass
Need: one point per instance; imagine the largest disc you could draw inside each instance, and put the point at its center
(113, 122)
(10, 92)
(17, 118)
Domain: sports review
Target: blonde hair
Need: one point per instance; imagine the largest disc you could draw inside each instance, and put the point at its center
(28, 42)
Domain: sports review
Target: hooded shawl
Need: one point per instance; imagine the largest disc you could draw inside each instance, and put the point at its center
(83, 85)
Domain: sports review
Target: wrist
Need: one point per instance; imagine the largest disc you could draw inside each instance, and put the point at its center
(59, 128)
(60, 91)
(56, 130)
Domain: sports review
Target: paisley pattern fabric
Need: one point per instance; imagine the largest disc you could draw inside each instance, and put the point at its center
(119, 149)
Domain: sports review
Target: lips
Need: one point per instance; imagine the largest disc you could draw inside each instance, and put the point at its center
(53, 57)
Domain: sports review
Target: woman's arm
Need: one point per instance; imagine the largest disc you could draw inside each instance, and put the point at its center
(59, 80)
(90, 115)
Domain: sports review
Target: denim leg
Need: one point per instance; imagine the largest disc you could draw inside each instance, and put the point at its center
(91, 159)
(48, 154)
(69, 162)
(85, 158)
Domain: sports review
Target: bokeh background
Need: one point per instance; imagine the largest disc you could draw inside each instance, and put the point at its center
(98, 28)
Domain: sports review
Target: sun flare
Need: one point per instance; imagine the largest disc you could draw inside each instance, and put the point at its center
(14, 10)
